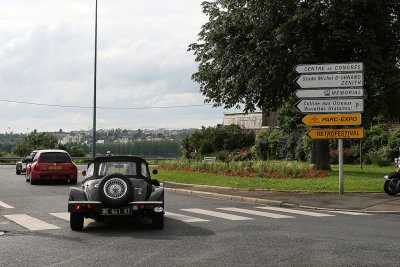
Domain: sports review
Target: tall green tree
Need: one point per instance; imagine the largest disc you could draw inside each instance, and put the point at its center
(247, 50)
(35, 141)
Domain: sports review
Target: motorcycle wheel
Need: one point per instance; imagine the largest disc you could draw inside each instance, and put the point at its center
(391, 187)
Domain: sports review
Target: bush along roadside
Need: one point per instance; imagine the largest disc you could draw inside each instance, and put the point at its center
(259, 169)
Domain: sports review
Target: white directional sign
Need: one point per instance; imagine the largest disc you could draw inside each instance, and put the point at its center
(331, 80)
(339, 105)
(325, 68)
(330, 93)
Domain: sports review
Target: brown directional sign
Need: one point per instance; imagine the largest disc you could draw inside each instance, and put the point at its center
(336, 133)
(332, 119)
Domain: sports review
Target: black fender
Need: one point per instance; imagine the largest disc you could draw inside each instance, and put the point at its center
(76, 194)
(393, 175)
(157, 194)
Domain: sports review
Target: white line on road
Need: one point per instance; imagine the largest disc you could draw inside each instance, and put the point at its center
(30, 222)
(218, 214)
(348, 212)
(65, 216)
(184, 218)
(6, 206)
(301, 212)
(259, 213)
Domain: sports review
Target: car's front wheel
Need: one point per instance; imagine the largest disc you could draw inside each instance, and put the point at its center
(76, 221)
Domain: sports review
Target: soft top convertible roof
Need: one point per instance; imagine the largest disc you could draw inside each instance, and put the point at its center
(117, 158)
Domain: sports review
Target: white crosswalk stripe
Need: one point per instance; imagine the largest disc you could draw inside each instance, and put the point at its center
(258, 213)
(184, 218)
(65, 216)
(348, 212)
(301, 212)
(30, 222)
(6, 206)
(218, 214)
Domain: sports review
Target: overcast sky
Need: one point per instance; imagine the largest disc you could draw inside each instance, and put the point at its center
(47, 57)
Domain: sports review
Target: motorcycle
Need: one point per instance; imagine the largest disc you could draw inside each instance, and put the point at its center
(392, 183)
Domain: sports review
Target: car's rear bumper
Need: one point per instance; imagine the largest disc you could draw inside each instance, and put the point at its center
(94, 207)
(53, 175)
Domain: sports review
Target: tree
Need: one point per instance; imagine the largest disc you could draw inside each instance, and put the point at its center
(35, 141)
(247, 50)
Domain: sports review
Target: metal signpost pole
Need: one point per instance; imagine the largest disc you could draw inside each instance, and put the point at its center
(340, 148)
(94, 85)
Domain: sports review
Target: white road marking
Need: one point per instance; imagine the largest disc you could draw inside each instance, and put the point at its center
(30, 222)
(258, 213)
(184, 218)
(6, 206)
(218, 214)
(301, 212)
(348, 212)
(65, 216)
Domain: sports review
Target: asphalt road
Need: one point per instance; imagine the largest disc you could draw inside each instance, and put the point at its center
(210, 233)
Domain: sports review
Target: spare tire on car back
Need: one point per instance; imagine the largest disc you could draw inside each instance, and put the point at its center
(115, 189)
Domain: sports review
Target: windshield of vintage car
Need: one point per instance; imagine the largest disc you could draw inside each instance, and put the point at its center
(125, 168)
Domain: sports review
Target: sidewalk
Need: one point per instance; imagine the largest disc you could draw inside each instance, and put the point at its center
(367, 202)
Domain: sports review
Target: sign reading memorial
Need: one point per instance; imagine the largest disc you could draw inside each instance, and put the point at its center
(329, 93)
(336, 133)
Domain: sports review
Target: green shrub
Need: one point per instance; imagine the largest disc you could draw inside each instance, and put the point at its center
(378, 158)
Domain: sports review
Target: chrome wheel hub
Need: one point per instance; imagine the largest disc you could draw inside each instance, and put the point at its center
(115, 188)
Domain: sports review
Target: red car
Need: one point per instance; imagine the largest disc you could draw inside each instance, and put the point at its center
(50, 165)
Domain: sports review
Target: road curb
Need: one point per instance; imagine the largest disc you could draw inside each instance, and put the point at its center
(263, 201)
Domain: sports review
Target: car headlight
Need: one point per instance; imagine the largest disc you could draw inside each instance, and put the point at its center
(386, 177)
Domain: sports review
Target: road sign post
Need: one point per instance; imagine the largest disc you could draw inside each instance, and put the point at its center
(332, 88)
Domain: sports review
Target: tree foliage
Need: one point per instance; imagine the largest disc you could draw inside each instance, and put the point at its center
(222, 137)
(34, 141)
(247, 50)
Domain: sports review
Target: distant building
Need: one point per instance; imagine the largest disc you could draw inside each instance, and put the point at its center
(254, 121)
(70, 139)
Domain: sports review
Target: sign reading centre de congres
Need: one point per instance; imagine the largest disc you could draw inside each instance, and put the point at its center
(324, 68)
(345, 105)
(331, 80)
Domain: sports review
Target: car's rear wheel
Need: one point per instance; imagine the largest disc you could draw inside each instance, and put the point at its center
(115, 189)
(31, 180)
(18, 172)
(157, 221)
(76, 221)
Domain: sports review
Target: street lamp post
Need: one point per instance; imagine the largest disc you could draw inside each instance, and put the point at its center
(94, 95)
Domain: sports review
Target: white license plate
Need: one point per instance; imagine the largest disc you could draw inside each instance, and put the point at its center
(116, 211)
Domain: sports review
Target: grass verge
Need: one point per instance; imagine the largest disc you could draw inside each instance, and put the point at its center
(368, 179)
